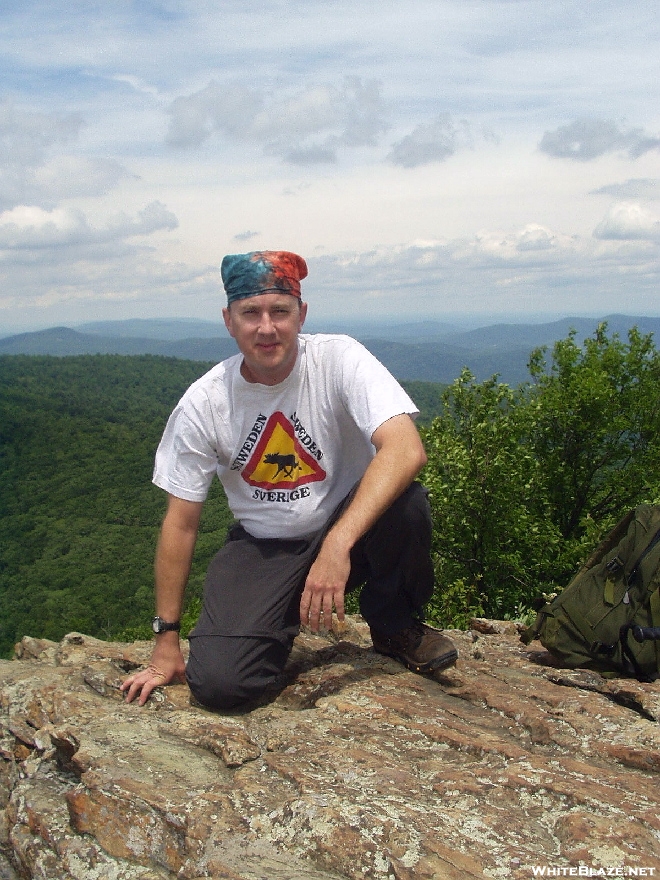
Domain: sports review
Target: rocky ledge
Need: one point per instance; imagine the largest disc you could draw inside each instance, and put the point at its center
(503, 766)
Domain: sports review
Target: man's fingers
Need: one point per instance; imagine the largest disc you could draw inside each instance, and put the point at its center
(327, 610)
(305, 601)
(138, 686)
(317, 607)
(315, 612)
(143, 683)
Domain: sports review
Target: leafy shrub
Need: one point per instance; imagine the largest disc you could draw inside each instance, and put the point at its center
(524, 482)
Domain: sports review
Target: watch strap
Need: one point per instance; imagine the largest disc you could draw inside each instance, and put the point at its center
(160, 626)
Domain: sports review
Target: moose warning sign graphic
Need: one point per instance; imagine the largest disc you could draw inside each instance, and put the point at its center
(279, 460)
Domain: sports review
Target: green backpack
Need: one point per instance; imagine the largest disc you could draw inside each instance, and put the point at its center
(608, 617)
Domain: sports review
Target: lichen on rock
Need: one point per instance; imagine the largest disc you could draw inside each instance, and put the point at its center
(352, 768)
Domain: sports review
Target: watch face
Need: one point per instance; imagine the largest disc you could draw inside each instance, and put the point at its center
(159, 625)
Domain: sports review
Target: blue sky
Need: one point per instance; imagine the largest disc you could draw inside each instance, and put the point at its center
(428, 158)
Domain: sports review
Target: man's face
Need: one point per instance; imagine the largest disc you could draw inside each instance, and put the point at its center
(266, 329)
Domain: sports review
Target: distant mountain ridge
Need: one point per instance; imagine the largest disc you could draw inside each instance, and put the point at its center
(535, 335)
(155, 328)
(63, 341)
(428, 351)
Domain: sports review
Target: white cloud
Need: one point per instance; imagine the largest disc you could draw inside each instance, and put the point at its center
(29, 226)
(229, 109)
(636, 188)
(30, 173)
(63, 177)
(431, 142)
(492, 272)
(118, 280)
(532, 244)
(586, 139)
(304, 127)
(536, 238)
(55, 262)
(153, 218)
(629, 221)
(25, 135)
(138, 85)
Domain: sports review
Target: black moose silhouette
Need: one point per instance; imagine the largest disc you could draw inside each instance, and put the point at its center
(286, 463)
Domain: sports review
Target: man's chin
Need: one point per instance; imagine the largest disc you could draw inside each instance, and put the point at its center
(271, 361)
(266, 369)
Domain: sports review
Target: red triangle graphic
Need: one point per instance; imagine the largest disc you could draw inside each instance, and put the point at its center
(279, 461)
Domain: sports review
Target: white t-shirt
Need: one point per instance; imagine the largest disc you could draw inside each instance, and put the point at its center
(286, 454)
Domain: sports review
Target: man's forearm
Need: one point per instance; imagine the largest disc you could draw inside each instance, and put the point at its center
(174, 554)
(391, 471)
(172, 568)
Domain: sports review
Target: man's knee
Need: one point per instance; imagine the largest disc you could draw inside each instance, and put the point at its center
(225, 673)
(411, 512)
(416, 499)
(218, 690)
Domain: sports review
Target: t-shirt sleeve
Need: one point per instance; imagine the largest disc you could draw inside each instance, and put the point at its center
(186, 459)
(371, 393)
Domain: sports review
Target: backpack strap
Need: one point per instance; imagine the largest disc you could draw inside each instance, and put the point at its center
(654, 603)
(528, 635)
(640, 634)
(628, 655)
(654, 606)
(635, 569)
(609, 541)
(532, 632)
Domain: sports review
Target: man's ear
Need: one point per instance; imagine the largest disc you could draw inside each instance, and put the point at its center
(303, 313)
(226, 316)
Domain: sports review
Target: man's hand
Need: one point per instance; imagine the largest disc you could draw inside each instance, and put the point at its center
(167, 665)
(324, 587)
(399, 457)
(174, 554)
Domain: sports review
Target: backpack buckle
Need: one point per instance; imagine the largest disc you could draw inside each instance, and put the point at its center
(614, 565)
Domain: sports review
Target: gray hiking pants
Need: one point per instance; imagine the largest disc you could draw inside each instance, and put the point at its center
(250, 613)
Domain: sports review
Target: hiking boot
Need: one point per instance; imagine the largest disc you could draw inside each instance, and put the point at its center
(419, 647)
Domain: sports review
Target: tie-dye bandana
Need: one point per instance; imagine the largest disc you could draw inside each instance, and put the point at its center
(262, 272)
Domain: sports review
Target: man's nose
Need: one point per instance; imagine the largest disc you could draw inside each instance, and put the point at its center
(266, 324)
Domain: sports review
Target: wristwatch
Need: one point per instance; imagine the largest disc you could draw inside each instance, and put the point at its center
(159, 625)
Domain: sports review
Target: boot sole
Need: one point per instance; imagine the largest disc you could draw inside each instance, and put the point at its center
(434, 665)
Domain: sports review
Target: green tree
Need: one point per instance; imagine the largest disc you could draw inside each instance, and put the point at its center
(524, 482)
(493, 536)
(596, 424)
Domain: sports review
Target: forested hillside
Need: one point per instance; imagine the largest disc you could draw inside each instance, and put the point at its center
(79, 513)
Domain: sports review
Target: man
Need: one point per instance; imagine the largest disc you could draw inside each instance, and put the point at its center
(315, 445)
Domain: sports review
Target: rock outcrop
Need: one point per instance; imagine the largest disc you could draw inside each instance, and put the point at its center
(502, 767)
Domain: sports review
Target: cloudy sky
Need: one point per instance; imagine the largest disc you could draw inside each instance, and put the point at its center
(429, 158)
